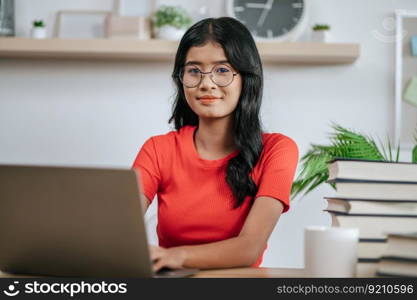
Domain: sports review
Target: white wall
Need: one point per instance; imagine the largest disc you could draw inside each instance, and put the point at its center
(100, 113)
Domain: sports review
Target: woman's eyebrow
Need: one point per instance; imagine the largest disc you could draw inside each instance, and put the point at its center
(199, 63)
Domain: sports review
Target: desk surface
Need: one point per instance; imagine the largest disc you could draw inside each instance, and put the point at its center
(251, 273)
(223, 273)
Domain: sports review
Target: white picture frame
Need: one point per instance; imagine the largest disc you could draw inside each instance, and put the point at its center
(80, 24)
(135, 8)
(400, 34)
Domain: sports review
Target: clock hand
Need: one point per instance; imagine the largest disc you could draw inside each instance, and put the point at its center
(256, 5)
(267, 8)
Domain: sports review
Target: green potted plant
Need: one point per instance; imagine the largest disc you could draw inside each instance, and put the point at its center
(38, 29)
(344, 144)
(320, 33)
(171, 22)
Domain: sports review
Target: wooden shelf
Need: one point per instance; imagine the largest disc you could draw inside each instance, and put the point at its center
(162, 50)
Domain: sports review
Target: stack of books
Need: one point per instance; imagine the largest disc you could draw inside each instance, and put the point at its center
(376, 197)
(400, 256)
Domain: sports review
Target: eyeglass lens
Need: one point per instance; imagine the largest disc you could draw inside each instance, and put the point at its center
(222, 75)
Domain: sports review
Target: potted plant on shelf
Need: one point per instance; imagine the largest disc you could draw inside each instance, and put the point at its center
(344, 144)
(171, 22)
(320, 33)
(38, 29)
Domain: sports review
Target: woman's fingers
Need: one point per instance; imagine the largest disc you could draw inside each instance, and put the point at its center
(156, 252)
(171, 258)
(156, 257)
(158, 265)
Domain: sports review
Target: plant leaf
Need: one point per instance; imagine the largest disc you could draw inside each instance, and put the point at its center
(344, 143)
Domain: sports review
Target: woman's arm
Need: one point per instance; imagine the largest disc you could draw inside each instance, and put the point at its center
(145, 203)
(239, 251)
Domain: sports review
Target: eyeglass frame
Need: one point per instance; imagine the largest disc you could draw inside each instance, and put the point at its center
(205, 73)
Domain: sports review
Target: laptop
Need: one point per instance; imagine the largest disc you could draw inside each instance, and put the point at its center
(74, 222)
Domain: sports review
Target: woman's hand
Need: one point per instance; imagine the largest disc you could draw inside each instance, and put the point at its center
(173, 258)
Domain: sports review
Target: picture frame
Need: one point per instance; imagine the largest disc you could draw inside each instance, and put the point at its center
(405, 115)
(135, 8)
(128, 27)
(81, 24)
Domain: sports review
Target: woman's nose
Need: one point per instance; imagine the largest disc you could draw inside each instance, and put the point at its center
(207, 82)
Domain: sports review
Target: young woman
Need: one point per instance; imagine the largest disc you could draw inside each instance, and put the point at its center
(221, 182)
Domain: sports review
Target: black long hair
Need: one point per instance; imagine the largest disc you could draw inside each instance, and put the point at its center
(242, 54)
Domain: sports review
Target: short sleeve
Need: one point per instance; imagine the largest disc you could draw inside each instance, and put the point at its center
(279, 166)
(147, 163)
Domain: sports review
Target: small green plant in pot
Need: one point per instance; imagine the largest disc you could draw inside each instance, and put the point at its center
(320, 33)
(38, 23)
(319, 27)
(38, 29)
(344, 143)
(171, 22)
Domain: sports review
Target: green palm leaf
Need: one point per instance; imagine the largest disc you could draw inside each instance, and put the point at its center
(344, 144)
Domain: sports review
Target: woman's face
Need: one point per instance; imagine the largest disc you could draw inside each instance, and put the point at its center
(207, 99)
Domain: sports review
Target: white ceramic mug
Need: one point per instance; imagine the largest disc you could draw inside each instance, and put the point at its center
(330, 251)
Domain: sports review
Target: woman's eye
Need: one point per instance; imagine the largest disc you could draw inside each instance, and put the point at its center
(222, 70)
(193, 71)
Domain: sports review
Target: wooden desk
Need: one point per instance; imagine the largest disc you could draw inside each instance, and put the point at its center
(363, 270)
(251, 273)
(221, 273)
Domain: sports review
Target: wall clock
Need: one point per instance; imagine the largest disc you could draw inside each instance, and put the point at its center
(275, 20)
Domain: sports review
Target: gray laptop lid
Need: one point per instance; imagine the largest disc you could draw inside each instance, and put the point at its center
(72, 222)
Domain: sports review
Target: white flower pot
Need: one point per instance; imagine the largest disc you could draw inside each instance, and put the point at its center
(38, 33)
(170, 33)
(320, 36)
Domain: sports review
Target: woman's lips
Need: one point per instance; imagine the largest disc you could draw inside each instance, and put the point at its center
(208, 100)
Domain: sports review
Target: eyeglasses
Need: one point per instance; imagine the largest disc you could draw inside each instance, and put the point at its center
(221, 75)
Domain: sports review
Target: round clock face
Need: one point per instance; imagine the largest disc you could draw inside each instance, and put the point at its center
(269, 19)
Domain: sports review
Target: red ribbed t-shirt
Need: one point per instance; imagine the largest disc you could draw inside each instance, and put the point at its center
(195, 204)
